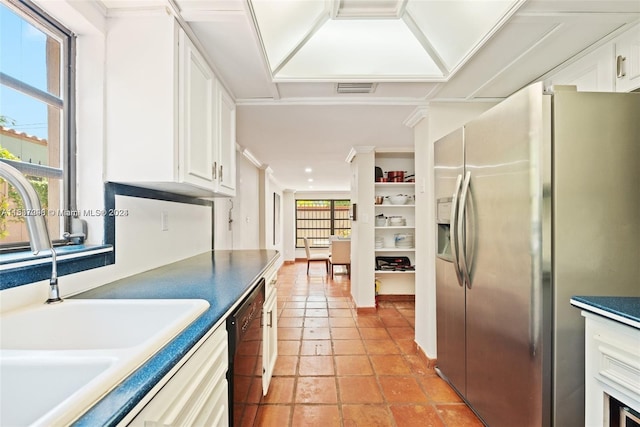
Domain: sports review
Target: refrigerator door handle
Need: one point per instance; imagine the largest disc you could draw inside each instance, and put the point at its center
(452, 236)
(462, 245)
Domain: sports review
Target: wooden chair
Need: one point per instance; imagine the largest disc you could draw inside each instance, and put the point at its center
(324, 257)
(341, 255)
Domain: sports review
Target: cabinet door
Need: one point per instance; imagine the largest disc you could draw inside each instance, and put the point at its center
(226, 140)
(591, 73)
(196, 117)
(269, 339)
(198, 392)
(628, 61)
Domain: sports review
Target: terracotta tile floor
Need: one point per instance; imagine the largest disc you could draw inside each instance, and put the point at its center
(338, 368)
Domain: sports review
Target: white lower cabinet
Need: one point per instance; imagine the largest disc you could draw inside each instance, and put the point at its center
(269, 330)
(612, 367)
(195, 395)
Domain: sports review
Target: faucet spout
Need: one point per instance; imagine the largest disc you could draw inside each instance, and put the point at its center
(39, 238)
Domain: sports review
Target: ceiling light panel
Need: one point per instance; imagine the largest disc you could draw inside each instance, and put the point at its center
(374, 40)
(363, 9)
(358, 49)
(285, 24)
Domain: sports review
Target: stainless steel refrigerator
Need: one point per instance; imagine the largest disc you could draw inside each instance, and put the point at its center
(537, 200)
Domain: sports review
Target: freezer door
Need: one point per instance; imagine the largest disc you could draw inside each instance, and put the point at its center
(450, 292)
(503, 306)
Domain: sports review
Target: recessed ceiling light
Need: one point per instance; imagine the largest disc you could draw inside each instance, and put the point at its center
(308, 170)
(310, 180)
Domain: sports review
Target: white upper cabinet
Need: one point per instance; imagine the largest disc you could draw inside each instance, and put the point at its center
(167, 116)
(196, 117)
(613, 67)
(225, 155)
(591, 73)
(627, 60)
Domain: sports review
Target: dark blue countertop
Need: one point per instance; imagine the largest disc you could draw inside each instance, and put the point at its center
(22, 267)
(621, 309)
(220, 277)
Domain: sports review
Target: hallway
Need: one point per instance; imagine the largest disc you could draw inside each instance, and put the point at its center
(338, 368)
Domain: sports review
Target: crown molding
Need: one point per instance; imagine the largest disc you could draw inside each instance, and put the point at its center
(359, 150)
(416, 116)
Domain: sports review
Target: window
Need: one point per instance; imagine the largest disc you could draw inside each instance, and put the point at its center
(319, 219)
(36, 117)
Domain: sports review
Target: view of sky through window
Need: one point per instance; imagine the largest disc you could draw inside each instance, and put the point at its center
(22, 56)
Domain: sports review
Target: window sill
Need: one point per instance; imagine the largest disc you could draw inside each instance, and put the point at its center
(20, 268)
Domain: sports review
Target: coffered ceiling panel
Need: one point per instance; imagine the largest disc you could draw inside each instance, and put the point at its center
(388, 40)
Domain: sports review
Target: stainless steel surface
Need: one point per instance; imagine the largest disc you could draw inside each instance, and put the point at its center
(596, 221)
(38, 233)
(498, 155)
(530, 243)
(450, 310)
(461, 234)
(455, 240)
(619, 66)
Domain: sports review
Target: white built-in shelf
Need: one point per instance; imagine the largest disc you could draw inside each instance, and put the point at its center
(394, 184)
(395, 272)
(395, 227)
(395, 249)
(384, 205)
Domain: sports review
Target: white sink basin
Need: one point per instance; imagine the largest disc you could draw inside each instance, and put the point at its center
(95, 324)
(52, 380)
(57, 360)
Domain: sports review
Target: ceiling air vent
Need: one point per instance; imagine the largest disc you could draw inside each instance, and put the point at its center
(355, 87)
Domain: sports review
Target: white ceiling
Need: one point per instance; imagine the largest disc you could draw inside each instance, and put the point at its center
(290, 124)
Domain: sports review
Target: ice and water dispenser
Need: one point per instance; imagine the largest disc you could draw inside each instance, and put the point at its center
(443, 220)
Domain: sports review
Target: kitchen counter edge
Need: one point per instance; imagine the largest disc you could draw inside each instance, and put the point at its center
(625, 310)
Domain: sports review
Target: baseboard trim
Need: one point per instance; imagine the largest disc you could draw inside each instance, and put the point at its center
(431, 363)
(363, 311)
(396, 298)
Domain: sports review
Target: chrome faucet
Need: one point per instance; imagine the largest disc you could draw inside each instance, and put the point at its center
(38, 233)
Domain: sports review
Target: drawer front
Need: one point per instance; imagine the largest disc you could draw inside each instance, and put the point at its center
(271, 280)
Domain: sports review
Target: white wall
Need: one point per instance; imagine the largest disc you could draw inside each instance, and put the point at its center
(362, 236)
(441, 119)
(289, 251)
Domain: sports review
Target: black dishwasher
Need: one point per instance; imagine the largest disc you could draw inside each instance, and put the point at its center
(244, 376)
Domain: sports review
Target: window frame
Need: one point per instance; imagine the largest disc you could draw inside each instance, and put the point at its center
(39, 18)
(332, 219)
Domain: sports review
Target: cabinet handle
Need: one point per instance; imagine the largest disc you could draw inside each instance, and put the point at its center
(270, 323)
(221, 179)
(215, 170)
(619, 66)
